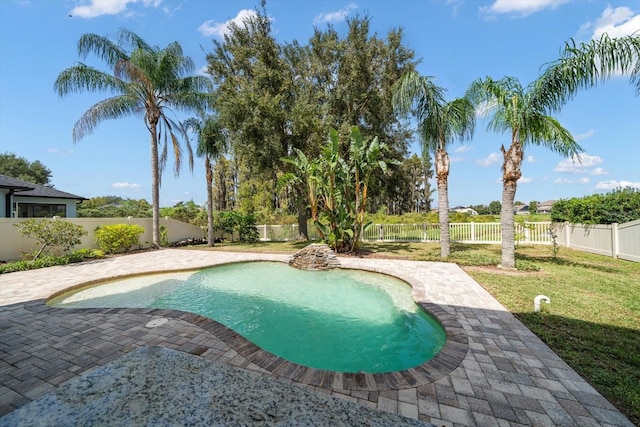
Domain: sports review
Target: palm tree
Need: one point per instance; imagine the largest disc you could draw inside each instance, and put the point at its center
(211, 144)
(525, 111)
(587, 64)
(439, 124)
(146, 80)
(517, 109)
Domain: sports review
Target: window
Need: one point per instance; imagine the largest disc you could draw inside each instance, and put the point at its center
(38, 210)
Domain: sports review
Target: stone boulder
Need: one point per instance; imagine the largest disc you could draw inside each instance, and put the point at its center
(316, 256)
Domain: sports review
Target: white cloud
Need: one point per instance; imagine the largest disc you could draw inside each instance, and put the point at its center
(584, 135)
(454, 159)
(524, 180)
(126, 186)
(618, 22)
(599, 171)
(521, 7)
(489, 160)
(531, 159)
(333, 17)
(613, 184)
(95, 8)
(202, 71)
(212, 28)
(584, 180)
(578, 164)
(462, 149)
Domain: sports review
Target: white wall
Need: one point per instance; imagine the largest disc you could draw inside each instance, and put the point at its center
(13, 244)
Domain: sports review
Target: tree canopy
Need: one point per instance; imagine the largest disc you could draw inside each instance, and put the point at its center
(21, 168)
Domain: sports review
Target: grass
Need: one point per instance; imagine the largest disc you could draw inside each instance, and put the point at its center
(593, 321)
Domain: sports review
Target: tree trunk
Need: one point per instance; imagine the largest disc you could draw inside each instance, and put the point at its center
(301, 207)
(155, 185)
(442, 172)
(511, 173)
(209, 176)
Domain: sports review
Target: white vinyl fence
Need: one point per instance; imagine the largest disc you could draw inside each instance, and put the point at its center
(527, 233)
(614, 240)
(618, 241)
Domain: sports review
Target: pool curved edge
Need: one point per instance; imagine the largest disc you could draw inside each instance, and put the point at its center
(443, 363)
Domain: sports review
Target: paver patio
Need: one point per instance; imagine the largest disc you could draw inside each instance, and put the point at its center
(493, 371)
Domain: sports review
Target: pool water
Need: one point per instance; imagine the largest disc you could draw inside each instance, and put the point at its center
(339, 320)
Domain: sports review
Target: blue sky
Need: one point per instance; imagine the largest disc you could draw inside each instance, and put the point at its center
(457, 40)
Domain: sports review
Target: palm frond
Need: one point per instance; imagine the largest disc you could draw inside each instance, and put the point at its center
(108, 109)
(81, 77)
(102, 47)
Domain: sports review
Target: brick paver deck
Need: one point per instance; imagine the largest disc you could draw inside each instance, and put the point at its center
(493, 371)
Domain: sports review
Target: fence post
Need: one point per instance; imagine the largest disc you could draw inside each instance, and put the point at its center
(614, 240)
(527, 232)
(473, 231)
(567, 236)
(381, 232)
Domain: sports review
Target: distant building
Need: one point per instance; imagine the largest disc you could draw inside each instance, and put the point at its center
(22, 199)
(545, 207)
(464, 209)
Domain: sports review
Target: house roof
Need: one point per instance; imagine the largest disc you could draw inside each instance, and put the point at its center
(14, 183)
(29, 189)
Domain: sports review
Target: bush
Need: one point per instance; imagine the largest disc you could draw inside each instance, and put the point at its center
(118, 237)
(621, 205)
(50, 233)
(50, 261)
(234, 221)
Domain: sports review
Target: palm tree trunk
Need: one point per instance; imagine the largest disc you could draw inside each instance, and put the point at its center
(442, 172)
(511, 171)
(209, 177)
(155, 186)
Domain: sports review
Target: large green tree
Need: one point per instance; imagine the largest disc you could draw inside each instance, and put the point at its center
(21, 168)
(145, 79)
(211, 145)
(276, 98)
(439, 124)
(525, 112)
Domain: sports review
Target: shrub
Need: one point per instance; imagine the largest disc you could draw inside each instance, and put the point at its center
(621, 205)
(234, 221)
(118, 237)
(50, 233)
(50, 260)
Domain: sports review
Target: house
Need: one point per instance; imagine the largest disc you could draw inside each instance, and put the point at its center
(542, 208)
(465, 209)
(545, 207)
(22, 199)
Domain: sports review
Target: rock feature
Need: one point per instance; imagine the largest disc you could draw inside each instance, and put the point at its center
(316, 256)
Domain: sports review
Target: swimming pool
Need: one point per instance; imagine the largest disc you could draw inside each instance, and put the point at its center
(339, 320)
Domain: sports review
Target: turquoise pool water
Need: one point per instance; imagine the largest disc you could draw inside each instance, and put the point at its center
(339, 320)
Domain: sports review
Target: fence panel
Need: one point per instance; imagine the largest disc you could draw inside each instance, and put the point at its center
(629, 241)
(529, 232)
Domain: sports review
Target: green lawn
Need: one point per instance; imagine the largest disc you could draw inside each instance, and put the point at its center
(593, 321)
